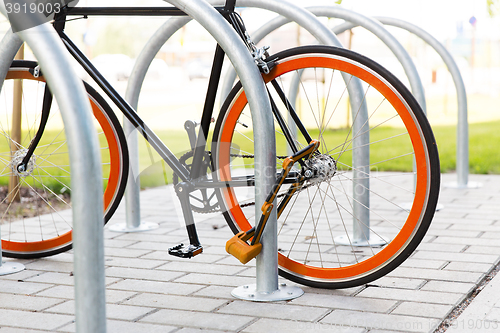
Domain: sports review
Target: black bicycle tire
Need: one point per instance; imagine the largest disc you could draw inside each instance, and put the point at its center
(123, 148)
(426, 134)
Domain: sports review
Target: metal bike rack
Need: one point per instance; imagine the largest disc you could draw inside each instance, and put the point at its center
(265, 147)
(368, 23)
(88, 236)
(385, 36)
(462, 122)
(265, 289)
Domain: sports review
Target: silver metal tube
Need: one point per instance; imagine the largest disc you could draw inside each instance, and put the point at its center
(361, 159)
(462, 122)
(132, 193)
(9, 46)
(86, 182)
(265, 147)
(356, 19)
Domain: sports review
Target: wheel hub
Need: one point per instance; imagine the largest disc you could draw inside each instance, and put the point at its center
(320, 168)
(20, 169)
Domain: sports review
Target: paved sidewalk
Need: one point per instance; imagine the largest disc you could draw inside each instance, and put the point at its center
(150, 291)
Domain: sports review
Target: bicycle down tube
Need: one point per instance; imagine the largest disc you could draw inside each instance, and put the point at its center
(194, 175)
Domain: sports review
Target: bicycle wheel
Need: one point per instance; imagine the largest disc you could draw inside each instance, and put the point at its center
(35, 205)
(343, 220)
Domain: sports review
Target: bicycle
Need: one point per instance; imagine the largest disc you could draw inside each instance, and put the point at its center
(318, 136)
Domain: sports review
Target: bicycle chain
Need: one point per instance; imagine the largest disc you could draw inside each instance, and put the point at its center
(279, 195)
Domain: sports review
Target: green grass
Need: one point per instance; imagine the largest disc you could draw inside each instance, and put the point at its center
(484, 157)
(484, 151)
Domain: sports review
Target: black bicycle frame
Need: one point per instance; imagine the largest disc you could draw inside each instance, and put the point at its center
(190, 180)
(129, 112)
(196, 169)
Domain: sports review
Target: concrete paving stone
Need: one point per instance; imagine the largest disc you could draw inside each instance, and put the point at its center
(50, 265)
(190, 303)
(230, 260)
(493, 314)
(213, 279)
(26, 302)
(483, 249)
(152, 238)
(68, 292)
(132, 262)
(118, 326)
(221, 250)
(211, 241)
(25, 288)
(430, 274)
(380, 321)
(201, 258)
(462, 257)
(426, 310)
(284, 326)
(467, 241)
(274, 310)
(191, 267)
(339, 292)
(403, 283)
(215, 292)
(196, 330)
(156, 287)
(453, 233)
(464, 219)
(22, 275)
(33, 320)
(436, 247)
(482, 314)
(121, 252)
(113, 311)
(60, 278)
(344, 302)
(118, 243)
(145, 245)
(420, 263)
(491, 235)
(61, 257)
(198, 319)
(53, 278)
(423, 296)
(447, 286)
(248, 271)
(468, 267)
(474, 227)
(5, 329)
(219, 234)
(142, 274)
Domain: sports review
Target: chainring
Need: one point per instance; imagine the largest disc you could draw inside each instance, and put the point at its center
(202, 200)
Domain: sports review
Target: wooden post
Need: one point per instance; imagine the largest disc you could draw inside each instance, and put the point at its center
(15, 134)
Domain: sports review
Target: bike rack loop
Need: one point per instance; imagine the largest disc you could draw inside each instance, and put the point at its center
(462, 123)
(296, 13)
(368, 23)
(88, 239)
(266, 287)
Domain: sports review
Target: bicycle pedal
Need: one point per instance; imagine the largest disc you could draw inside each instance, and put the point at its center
(241, 250)
(185, 251)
